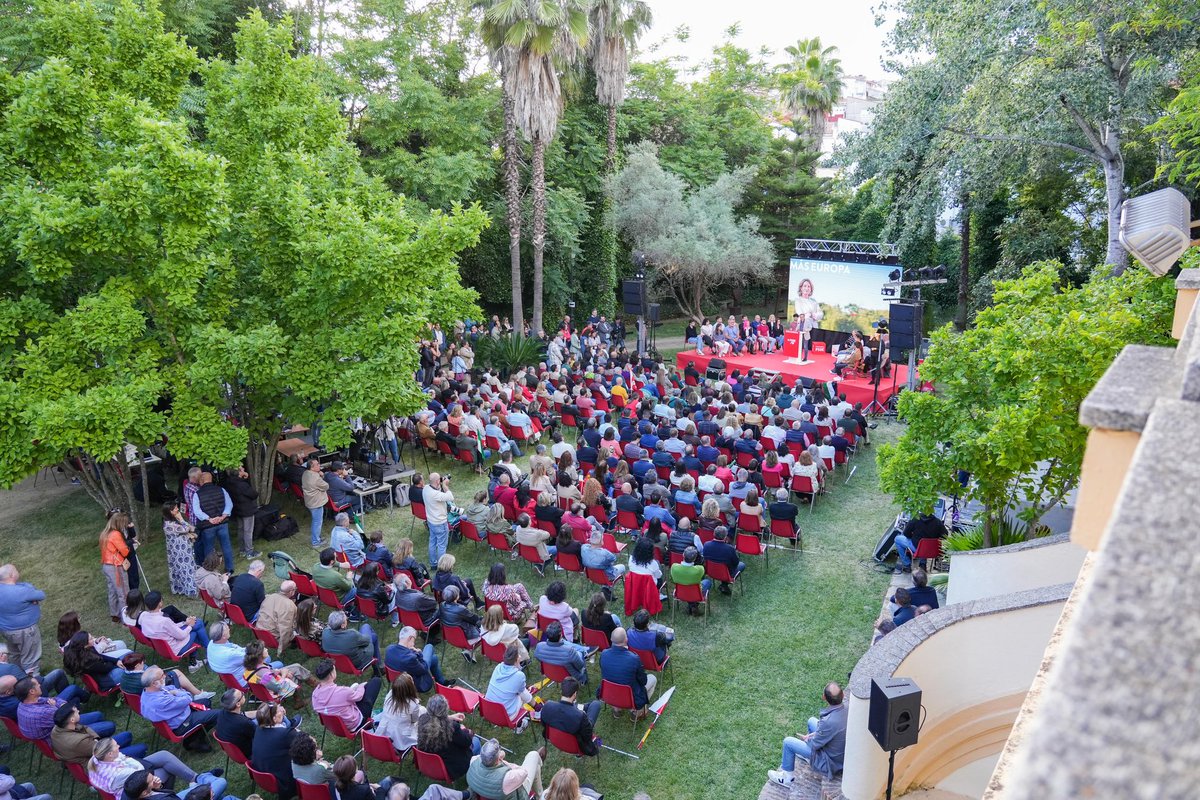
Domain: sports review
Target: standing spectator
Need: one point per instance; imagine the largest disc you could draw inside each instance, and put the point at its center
(823, 746)
(180, 536)
(20, 611)
(212, 507)
(114, 561)
(437, 498)
(245, 506)
(315, 497)
(190, 487)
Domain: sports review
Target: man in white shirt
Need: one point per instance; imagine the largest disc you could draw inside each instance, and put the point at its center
(559, 447)
(708, 481)
(437, 498)
(793, 413)
(825, 449)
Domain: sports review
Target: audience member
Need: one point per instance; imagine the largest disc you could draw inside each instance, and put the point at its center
(621, 666)
(823, 746)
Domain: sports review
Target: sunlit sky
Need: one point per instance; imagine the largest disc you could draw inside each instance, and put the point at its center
(847, 24)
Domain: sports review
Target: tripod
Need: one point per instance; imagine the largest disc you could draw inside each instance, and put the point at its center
(876, 407)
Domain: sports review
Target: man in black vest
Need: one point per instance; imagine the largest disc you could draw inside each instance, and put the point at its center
(211, 505)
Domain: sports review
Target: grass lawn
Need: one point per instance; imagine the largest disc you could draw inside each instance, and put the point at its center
(748, 679)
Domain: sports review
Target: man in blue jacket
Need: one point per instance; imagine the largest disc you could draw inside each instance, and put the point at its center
(621, 666)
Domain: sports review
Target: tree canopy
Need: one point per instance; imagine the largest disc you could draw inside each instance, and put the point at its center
(209, 275)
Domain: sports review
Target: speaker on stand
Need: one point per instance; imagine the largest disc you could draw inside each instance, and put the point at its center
(894, 718)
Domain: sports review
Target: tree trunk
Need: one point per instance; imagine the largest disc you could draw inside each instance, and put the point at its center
(537, 180)
(260, 463)
(964, 264)
(512, 197)
(610, 158)
(1114, 190)
(987, 529)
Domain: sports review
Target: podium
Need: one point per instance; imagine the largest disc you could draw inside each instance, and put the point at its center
(791, 344)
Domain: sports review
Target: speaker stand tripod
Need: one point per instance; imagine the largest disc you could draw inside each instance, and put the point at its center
(891, 772)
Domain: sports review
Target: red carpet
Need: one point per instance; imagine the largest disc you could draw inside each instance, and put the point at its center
(857, 390)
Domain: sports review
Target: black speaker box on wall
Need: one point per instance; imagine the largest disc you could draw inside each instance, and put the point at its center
(894, 718)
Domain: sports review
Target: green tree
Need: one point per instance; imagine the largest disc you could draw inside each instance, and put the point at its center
(812, 84)
(1079, 78)
(534, 37)
(615, 28)
(1008, 391)
(692, 238)
(210, 283)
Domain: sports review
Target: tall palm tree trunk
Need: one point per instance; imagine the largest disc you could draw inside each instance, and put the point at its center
(964, 264)
(512, 196)
(610, 159)
(537, 179)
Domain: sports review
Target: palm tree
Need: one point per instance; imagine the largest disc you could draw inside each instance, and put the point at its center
(812, 84)
(502, 57)
(540, 34)
(616, 25)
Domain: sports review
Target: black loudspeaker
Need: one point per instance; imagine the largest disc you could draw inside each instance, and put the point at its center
(894, 718)
(889, 539)
(716, 369)
(633, 297)
(904, 325)
(652, 311)
(806, 382)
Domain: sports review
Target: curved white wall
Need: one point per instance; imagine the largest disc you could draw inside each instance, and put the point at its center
(974, 663)
(1016, 568)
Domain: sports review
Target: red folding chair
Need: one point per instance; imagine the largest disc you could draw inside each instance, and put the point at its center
(569, 562)
(567, 743)
(720, 572)
(803, 484)
(261, 693)
(309, 647)
(164, 730)
(314, 791)
(689, 593)
(330, 598)
(456, 637)
(236, 615)
(555, 672)
(600, 578)
(140, 637)
(628, 520)
(496, 714)
(750, 544)
(611, 544)
(431, 766)
(346, 667)
(265, 780)
(210, 602)
(498, 541)
(493, 652)
(686, 511)
(618, 696)
(267, 638)
(590, 637)
(928, 549)
(470, 531)
(335, 724)
(371, 609)
(418, 513)
(650, 663)
(530, 553)
(90, 684)
(232, 752)
(304, 584)
(380, 748)
(461, 701)
(788, 529)
(413, 619)
(164, 649)
(547, 526)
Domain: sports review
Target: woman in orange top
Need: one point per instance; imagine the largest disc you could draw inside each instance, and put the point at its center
(114, 561)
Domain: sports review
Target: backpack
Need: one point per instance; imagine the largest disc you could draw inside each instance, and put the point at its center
(281, 528)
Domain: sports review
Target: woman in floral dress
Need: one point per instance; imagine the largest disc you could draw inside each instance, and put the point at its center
(181, 561)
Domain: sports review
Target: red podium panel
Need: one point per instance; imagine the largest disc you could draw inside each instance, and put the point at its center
(791, 344)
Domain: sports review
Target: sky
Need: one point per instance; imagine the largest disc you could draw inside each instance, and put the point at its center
(847, 24)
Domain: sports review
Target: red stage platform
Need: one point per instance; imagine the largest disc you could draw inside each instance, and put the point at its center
(857, 390)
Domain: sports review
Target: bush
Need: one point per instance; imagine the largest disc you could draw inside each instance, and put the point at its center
(508, 353)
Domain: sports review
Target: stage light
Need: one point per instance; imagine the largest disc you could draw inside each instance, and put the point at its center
(894, 275)
(937, 272)
(1156, 228)
(924, 273)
